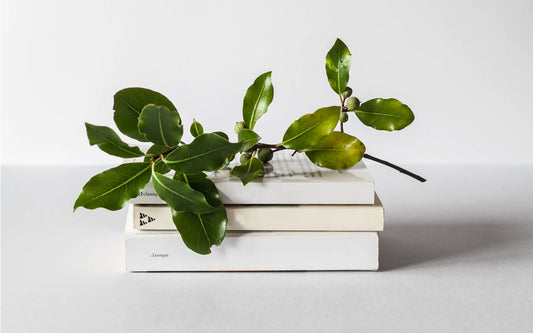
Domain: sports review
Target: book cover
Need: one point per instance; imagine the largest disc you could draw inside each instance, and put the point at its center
(276, 217)
(253, 251)
(289, 180)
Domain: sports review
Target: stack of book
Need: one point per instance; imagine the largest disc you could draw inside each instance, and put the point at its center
(297, 217)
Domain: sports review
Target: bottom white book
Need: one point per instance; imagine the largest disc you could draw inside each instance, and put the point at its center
(253, 251)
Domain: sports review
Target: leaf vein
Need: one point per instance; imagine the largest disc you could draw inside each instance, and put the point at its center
(303, 132)
(161, 129)
(117, 187)
(129, 105)
(118, 146)
(174, 192)
(204, 230)
(193, 157)
(252, 116)
(380, 114)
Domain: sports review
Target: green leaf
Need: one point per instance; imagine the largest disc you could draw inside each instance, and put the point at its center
(160, 125)
(109, 141)
(385, 114)
(201, 183)
(113, 188)
(249, 171)
(222, 134)
(338, 63)
(201, 231)
(309, 129)
(248, 138)
(227, 161)
(336, 151)
(196, 128)
(206, 153)
(257, 99)
(128, 104)
(179, 195)
(160, 166)
(229, 158)
(156, 150)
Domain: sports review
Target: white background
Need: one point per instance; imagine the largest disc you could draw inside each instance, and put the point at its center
(464, 67)
(456, 252)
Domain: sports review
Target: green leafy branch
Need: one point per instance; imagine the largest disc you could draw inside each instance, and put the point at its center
(197, 211)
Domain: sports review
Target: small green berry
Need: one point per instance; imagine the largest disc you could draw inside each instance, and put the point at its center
(244, 158)
(352, 103)
(265, 154)
(344, 117)
(239, 126)
(347, 93)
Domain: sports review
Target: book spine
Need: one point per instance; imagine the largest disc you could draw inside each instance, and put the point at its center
(276, 217)
(255, 251)
(234, 193)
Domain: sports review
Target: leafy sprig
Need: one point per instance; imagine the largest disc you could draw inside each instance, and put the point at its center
(197, 211)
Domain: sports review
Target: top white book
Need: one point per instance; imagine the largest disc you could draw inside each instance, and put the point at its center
(289, 180)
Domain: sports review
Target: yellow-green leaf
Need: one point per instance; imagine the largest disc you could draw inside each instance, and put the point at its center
(385, 114)
(336, 151)
(311, 128)
(338, 63)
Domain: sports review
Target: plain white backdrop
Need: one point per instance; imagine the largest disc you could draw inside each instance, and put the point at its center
(464, 67)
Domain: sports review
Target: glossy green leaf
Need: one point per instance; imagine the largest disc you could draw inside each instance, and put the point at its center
(196, 128)
(248, 138)
(160, 166)
(222, 134)
(309, 129)
(227, 161)
(336, 151)
(128, 104)
(110, 142)
(161, 125)
(338, 63)
(208, 152)
(179, 195)
(257, 99)
(156, 150)
(113, 188)
(201, 183)
(249, 171)
(201, 231)
(229, 158)
(385, 114)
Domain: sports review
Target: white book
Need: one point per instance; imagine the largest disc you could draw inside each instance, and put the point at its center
(289, 180)
(276, 217)
(253, 251)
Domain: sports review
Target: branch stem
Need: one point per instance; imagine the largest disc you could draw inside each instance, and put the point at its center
(402, 170)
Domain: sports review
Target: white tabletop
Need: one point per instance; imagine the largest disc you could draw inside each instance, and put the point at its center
(456, 256)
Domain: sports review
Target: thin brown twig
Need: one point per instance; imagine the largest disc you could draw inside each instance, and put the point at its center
(389, 164)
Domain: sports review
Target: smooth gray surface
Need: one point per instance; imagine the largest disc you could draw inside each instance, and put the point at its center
(456, 256)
